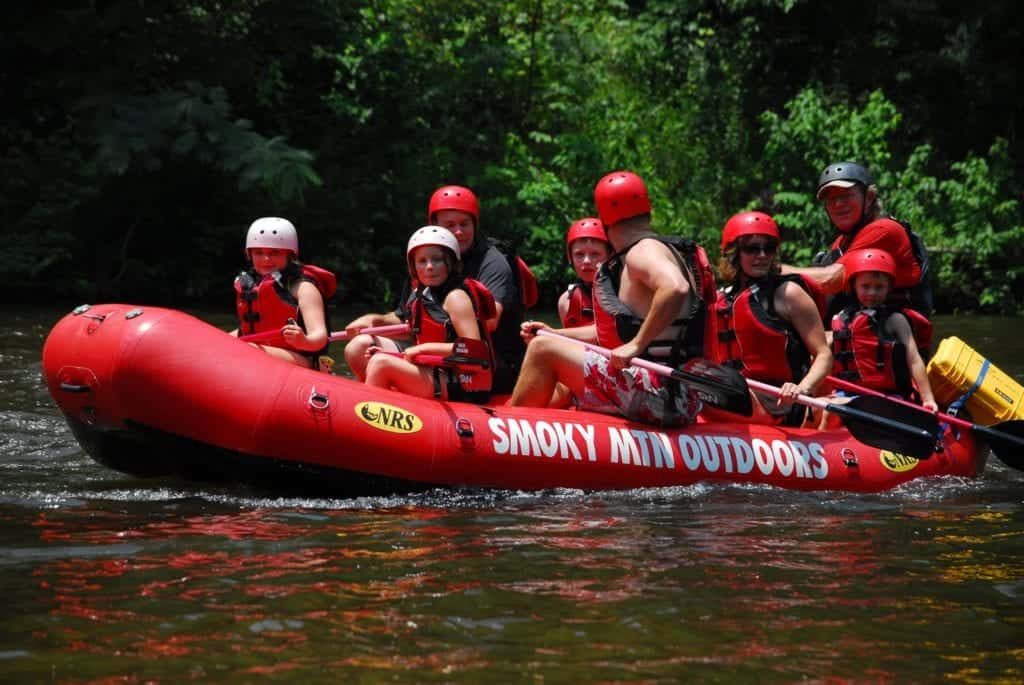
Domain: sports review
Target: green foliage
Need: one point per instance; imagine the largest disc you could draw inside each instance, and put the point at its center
(981, 233)
(970, 221)
(140, 121)
(140, 134)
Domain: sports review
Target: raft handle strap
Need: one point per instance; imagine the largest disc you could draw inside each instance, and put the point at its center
(956, 405)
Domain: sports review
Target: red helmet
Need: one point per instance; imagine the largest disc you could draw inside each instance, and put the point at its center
(584, 228)
(748, 223)
(621, 195)
(867, 259)
(454, 197)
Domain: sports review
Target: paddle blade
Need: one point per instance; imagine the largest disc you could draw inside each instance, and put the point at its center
(1006, 440)
(719, 386)
(890, 426)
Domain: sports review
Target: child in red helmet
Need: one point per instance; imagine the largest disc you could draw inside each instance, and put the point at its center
(586, 246)
(451, 353)
(876, 345)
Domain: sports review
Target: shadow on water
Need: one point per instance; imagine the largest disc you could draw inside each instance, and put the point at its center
(109, 578)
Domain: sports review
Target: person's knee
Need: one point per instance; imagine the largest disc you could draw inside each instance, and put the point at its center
(357, 346)
(376, 369)
(542, 349)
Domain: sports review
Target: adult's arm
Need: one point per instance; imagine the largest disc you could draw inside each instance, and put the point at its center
(793, 303)
(353, 327)
(830, 277)
(652, 265)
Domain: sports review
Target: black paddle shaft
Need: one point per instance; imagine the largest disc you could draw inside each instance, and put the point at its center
(1006, 440)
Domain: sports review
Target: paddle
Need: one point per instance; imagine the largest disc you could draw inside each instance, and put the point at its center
(875, 421)
(717, 385)
(390, 329)
(1006, 439)
(911, 433)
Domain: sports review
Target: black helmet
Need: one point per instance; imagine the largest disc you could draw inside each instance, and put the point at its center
(843, 175)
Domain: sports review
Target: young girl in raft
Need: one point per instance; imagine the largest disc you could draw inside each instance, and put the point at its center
(451, 356)
(278, 293)
(586, 246)
(875, 345)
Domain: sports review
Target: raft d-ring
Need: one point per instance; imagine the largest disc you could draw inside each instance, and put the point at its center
(318, 401)
(464, 428)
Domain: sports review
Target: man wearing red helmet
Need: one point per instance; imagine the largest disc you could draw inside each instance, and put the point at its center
(850, 197)
(586, 246)
(457, 209)
(650, 299)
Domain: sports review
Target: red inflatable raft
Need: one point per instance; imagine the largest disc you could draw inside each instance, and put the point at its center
(152, 391)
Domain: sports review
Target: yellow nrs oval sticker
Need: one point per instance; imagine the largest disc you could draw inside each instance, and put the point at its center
(894, 461)
(388, 418)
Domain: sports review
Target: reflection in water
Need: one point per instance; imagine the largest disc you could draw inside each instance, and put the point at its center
(112, 579)
(514, 589)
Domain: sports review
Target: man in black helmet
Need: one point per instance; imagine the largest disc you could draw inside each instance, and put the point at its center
(850, 196)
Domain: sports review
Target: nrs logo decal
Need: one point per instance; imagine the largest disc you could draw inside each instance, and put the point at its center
(387, 417)
(894, 461)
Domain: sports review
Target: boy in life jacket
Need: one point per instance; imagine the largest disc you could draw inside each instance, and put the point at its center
(769, 325)
(448, 315)
(587, 246)
(874, 344)
(278, 293)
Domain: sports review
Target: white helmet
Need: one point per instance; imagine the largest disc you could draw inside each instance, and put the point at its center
(274, 233)
(433, 235)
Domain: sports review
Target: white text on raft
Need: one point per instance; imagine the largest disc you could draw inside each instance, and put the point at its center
(631, 446)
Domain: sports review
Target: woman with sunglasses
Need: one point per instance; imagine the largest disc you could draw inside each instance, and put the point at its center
(769, 325)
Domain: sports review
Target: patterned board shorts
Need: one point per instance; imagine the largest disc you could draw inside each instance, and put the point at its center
(634, 393)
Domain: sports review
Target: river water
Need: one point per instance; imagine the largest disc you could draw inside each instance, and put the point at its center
(111, 579)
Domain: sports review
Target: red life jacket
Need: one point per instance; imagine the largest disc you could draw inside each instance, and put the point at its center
(529, 291)
(617, 323)
(473, 360)
(265, 303)
(753, 338)
(581, 305)
(864, 353)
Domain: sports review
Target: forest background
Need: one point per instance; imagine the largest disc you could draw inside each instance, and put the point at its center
(141, 138)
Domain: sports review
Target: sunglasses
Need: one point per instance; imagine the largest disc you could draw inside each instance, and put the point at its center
(755, 249)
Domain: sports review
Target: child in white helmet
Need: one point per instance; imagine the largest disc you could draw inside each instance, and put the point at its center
(278, 293)
(451, 356)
